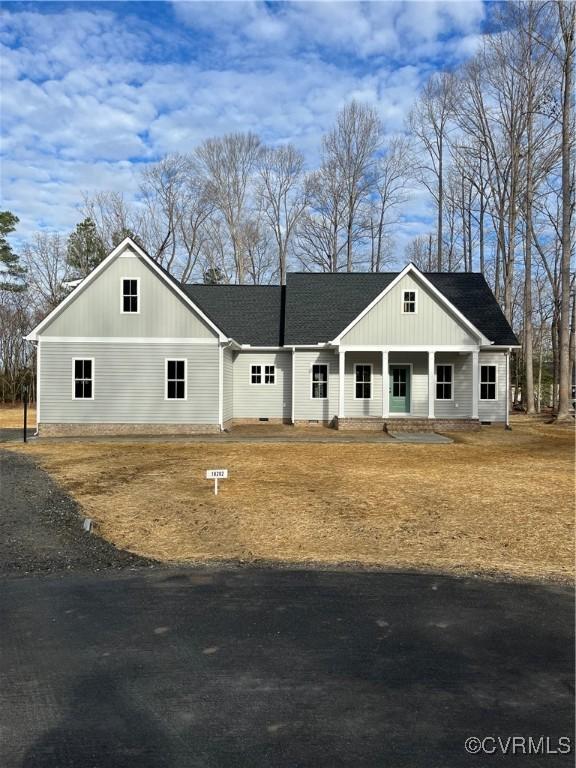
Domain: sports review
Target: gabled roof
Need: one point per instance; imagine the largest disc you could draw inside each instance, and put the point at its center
(250, 314)
(319, 306)
(127, 243)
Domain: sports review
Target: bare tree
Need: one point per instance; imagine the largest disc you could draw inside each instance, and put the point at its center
(420, 252)
(391, 172)
(320, 241)
(350, 150)
(567, 22)
(112, 216)
(282, 196)
(429, 121)
(45, 259)
(228, 165)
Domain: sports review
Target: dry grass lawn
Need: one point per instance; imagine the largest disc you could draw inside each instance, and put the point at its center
(13, 416)
(494, 501)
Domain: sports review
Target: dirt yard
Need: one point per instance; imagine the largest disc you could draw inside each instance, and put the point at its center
(494, 501)
(12, 416)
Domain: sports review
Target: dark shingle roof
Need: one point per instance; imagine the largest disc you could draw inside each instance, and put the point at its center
(318, 306)
(250, 314)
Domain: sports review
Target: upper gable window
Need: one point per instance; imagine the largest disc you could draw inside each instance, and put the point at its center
(409, 303)
(130, 295)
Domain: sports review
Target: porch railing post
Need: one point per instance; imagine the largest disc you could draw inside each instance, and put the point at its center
(341, 376)
(385, 385)
(475, 384)
(431, 359)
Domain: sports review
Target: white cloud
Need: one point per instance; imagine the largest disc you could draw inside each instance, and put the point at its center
(89, 95)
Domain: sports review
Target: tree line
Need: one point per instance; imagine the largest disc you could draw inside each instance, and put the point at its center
(490, 145)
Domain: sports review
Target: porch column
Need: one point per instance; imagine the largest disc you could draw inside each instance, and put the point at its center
(341, 375)
(475, 384)
(385, 385)
(431, 384)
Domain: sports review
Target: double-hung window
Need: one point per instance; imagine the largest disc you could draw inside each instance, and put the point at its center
(488, 389)
(444, 382)
(130, 295)
(263, 374)
(409, 302)
(363, 384)
(175, 379)
(319, 382)
(83, 378)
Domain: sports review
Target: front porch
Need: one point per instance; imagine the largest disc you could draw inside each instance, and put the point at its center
(415, 390)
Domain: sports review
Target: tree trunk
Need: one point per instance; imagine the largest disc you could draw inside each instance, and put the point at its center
(528, 328)
(440, 204)
(566, 14)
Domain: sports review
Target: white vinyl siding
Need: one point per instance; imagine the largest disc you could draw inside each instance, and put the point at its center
(307, 408)
(228, 405)
(494, 410)
(353, 405)
(460, 405)
(259, 399)
(130, 385)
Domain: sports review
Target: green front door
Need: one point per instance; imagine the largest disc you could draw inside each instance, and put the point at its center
(399, 389)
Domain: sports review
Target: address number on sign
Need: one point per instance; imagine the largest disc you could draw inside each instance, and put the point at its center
(216, 474)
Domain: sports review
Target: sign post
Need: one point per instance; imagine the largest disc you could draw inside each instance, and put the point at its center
(25, 398)
(216, 474)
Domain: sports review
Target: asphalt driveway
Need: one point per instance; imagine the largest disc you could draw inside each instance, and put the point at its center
(150, 667)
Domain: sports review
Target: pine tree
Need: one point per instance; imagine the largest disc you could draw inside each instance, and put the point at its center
(12, 273)
(85, 248)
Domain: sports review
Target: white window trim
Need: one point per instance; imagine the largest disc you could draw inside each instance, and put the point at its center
(175, 360)
(74, 359)
(137, 279)
(443, 399)
(415, 292)
(368, 365)
(262, 367)
(312, 381)
(487, 399)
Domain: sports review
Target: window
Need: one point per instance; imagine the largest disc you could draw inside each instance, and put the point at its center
(444, 382)
(83, 372)
(363, 382)
(266, 377)
(130, 295)
(175, 379)
(409, 302)
(487, 382)
(319, 382)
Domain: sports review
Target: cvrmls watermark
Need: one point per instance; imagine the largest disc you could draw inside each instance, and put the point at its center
(518, 745)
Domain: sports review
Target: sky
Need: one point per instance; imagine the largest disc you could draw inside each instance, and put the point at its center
(92, 91)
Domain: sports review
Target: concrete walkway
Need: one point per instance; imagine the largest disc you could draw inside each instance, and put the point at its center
(327, 436)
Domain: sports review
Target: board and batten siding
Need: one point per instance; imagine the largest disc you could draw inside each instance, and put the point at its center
(129, 383)
(96, 310)
(307, 408)
(386, 324)
(262, 401)
(494, 410)
(228, 389)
